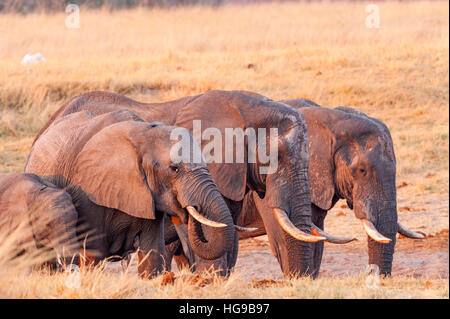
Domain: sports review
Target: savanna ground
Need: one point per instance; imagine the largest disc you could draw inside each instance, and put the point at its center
(323, 51)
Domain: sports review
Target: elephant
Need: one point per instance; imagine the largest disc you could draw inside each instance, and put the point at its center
(351, 157)
(43, 213)
(336, 137)
(285, 192)
(119, 171)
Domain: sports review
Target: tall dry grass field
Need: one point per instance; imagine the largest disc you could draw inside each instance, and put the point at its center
(323, 51)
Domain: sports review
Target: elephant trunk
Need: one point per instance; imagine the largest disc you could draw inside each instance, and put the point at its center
(210, 242)
(381, 254)
(302, 220)
(294, 255)
(382, 236)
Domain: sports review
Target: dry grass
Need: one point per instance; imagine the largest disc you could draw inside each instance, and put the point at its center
(99, 284)
(321, 51)
(17, 281)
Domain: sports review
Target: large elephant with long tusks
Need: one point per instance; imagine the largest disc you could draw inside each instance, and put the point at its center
(351, 157)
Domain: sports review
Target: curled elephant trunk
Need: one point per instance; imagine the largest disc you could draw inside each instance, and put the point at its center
(209, 247)
(210, 225)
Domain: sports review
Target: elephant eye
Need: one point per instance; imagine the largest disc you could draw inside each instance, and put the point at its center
(174, 168)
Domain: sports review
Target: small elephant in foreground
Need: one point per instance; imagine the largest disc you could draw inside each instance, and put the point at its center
(43, 214)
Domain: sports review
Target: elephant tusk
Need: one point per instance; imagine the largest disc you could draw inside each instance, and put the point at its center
(373, 233)
(202, 219)
(409, 233)
(290, 228)
(244, 229)
(330, 238)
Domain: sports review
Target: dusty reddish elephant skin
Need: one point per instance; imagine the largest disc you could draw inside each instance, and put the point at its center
(45, 211)
(118, 171)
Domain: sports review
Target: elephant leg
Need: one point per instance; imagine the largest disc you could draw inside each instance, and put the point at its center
(180, 259)
(186, 247)
(93, 251)
(151, 248)
(318, 217)
(174, 251)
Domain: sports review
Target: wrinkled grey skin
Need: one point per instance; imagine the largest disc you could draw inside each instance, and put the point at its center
(46, 213)
(288, 188)
(352, 158)
(118, 170)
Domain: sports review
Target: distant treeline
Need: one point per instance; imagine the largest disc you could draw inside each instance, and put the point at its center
(27, 6)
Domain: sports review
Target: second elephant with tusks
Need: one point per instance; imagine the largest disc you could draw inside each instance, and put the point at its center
(118, 170)
(351, 157)
(285, 192)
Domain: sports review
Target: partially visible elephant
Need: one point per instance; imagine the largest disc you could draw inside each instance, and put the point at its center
(119, 172)
(44, 214)
(352, 158)
(285, 192)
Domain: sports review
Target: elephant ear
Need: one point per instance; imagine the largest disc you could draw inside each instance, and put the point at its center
(108, 169)
(321, 163)
(213, 112)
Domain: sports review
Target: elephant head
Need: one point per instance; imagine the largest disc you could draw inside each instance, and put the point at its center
(284, 190)
(123, 163)
(352, 157)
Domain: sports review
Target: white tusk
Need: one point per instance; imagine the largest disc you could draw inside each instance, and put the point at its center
(409, 233)
(202, 219)
(244, 229)
(330, 238)
(290, 228)
(373, 233)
